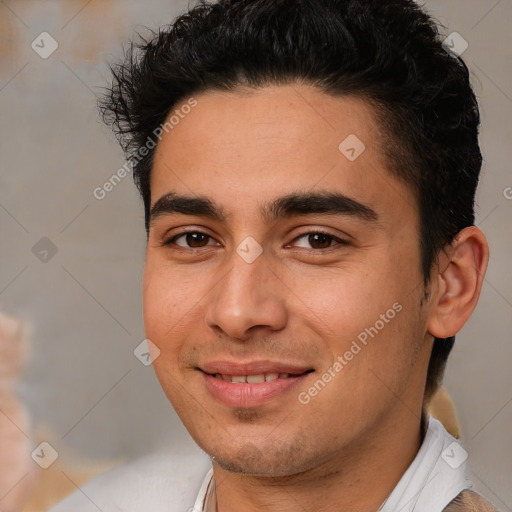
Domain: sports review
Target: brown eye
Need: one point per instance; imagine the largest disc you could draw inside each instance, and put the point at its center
(192, 240)
(196, 239)
(318, 240)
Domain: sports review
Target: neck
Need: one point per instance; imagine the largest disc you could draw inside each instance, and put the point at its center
(359, 479)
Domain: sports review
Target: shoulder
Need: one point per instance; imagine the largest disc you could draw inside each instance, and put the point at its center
(469, 501)
(162, 481)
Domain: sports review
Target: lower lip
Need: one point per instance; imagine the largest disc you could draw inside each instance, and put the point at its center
(250, 395)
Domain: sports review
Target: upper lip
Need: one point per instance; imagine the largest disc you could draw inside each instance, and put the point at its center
(252, 367)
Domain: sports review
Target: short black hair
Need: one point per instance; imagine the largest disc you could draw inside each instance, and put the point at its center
(387, 52)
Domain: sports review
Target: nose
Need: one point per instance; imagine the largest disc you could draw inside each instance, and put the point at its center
(250, 297)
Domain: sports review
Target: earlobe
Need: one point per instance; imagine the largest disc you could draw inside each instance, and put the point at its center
(460, 282)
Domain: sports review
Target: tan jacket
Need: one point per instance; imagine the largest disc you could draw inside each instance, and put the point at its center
(469, 501)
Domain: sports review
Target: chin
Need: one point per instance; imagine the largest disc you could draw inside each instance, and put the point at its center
(265, 462)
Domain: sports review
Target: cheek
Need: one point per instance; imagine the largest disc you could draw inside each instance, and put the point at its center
(164, 304)
(168, 297)
(372, 316)
(343, 302)
(173, 310)
(372, 349)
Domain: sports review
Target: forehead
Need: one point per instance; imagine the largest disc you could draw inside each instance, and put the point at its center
(255, 145)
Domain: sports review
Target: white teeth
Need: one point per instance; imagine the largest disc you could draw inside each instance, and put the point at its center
(252, 379)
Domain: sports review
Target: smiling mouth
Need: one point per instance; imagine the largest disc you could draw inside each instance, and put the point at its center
(253, 384)
(258, 378)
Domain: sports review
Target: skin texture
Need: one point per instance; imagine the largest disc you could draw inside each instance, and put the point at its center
(299, 301)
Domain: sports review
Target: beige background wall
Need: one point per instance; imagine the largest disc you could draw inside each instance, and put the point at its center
(83, 381)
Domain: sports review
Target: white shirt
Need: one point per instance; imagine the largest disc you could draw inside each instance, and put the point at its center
(172, 483)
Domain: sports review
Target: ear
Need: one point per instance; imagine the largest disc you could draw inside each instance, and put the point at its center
(460, 279)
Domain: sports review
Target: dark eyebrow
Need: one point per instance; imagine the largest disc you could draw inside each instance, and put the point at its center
(294, 204)
(309, 203)
(187, 205)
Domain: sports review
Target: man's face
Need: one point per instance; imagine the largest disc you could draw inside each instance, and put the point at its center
(256, 292)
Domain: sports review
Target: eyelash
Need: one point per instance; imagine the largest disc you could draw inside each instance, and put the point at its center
(338, 241)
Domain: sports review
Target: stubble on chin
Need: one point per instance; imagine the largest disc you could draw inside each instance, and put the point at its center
(245, 415)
